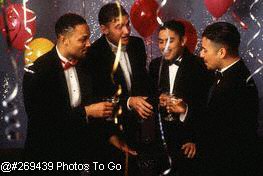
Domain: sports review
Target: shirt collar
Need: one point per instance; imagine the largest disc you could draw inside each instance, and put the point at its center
(114, 47)
(62, 57)
(226, 68)
(177, 60)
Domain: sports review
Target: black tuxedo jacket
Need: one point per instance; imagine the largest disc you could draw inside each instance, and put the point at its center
(230, 124)
(55, 130)
(192, 82)
(100, 59)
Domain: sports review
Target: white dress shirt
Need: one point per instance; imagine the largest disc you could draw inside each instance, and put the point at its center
(72, 83)
(124, 64)
(224, 69)
(172, 75)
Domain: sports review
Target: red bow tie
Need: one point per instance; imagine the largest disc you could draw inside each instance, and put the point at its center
(68, 64)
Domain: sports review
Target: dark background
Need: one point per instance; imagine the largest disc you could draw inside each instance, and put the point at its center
(48, 11)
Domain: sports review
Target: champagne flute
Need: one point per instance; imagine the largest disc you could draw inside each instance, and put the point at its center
(115, 101)
(169, 100)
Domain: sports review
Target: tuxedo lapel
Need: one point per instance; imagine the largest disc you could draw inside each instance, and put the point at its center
(131, 55)
(85, 83)
(177, 80)
(184, 71)
(225, 84)
(164, 85)
(119, 75)
(84, 79)
(60, 83)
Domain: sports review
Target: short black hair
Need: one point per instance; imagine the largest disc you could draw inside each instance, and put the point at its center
(224, 33)
(67, 22)
(109, 12)
(175, 26)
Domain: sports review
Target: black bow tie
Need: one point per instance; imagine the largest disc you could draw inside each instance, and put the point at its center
(218, 75)
(115, 49)
(174, 61)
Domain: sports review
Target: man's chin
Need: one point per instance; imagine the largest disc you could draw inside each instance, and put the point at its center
(208, 67)
(124, 43)
(81, 57)
(167, 58)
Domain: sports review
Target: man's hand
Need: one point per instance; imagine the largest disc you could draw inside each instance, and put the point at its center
(99, 110)
(114, 140)
(163, 99)
(176, 106)
(189, 149)
(141, 106)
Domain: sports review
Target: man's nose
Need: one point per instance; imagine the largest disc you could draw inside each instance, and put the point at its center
(88, 43)
(201, 54)
(125, 30)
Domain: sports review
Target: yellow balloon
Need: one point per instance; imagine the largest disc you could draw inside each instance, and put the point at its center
(37, 48)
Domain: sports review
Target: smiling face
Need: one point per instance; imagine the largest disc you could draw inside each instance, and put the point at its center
(77, 42)
(211, 54)
(176, 45)
(117, 29)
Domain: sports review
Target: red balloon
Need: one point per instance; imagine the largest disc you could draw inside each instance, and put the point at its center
(218, 7)
(15, 21)
(143, 16)
(190, 33)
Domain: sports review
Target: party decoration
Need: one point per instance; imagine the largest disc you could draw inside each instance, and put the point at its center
(16, 25)
(238, 19)
(163, 138)
(255, 20)
(218, 7)
(253, 38)
(27, 29)
(4, 24)
(10, 106)
(255, 72)
(37, 48)
(143, 16)
(189, 9)
(163, 3)
(84, 7)
(190, 33)
(118, 92)
(164, 143)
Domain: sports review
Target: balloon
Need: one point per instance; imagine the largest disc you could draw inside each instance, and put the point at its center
(218, 7)
(190, 33)
(15, 22)
(37, 48)
(143, 16)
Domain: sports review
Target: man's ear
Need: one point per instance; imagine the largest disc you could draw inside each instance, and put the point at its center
(64, 39)
(183, 41)
(104, 29)
(222, 52)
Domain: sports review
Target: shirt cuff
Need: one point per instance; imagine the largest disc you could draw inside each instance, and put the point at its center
(86, 115)
(129, 108)
(183, 115)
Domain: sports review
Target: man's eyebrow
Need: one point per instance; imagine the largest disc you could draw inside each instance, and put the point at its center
(166, 38)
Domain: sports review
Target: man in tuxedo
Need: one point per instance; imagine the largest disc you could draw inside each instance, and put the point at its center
(58, 99)
(232, 105)
(230, 118)
(182, 74)
(131, 75)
